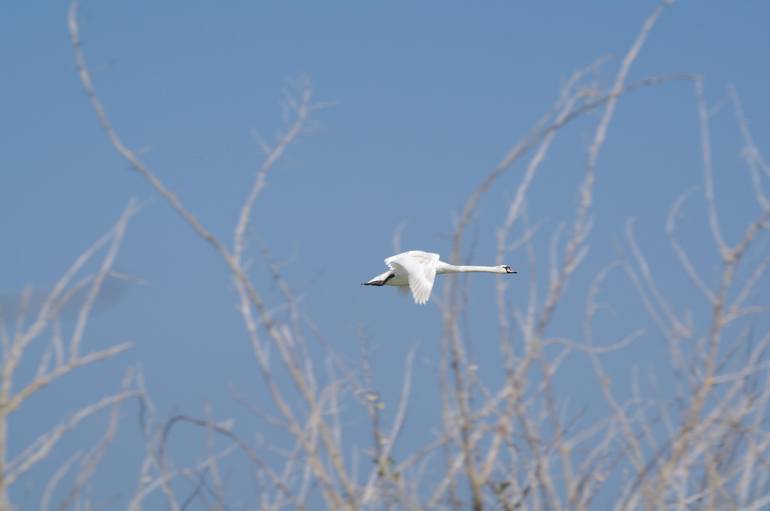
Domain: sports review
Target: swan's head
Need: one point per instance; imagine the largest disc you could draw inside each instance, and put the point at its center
(506, 269)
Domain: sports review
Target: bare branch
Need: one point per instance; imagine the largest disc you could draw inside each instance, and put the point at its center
(41, 447)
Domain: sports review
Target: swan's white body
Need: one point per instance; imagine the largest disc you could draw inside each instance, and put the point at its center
(418, 269)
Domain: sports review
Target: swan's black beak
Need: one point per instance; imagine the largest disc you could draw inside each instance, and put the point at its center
(508, 269)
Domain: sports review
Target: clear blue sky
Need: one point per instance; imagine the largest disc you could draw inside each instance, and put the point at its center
(428, 98)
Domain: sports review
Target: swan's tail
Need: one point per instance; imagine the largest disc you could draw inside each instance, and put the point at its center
(380, 280)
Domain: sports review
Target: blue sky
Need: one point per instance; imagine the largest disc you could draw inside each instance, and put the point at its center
(426, 100)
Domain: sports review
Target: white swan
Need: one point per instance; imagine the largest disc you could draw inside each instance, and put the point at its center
(418, 269)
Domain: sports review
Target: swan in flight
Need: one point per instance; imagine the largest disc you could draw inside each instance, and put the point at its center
(418, 269)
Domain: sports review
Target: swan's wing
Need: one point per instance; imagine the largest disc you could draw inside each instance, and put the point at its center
(420, 268)
(428, 258)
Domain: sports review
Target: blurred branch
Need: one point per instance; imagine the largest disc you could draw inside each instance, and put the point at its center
(225, 431)
(249, 297)
(91, 460)
(48, 370)
(42, 447)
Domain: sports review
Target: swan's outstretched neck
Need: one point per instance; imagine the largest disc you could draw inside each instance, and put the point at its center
(442, 267)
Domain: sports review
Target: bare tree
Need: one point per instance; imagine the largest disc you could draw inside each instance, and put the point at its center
(702, 443)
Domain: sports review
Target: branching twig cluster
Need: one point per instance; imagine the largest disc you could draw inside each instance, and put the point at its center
(61, 354)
